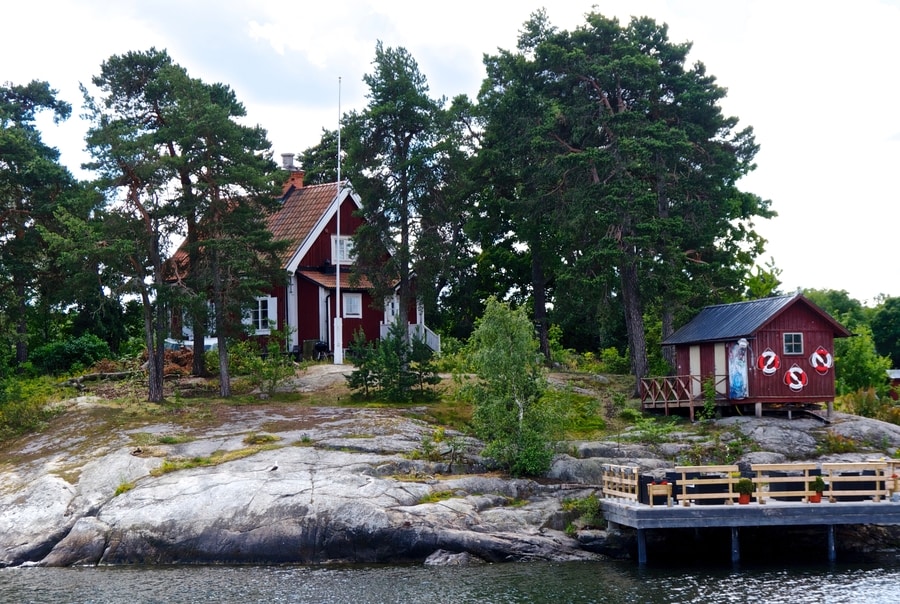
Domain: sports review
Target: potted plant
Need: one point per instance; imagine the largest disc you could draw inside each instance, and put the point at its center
(817, 485)
(744, 488)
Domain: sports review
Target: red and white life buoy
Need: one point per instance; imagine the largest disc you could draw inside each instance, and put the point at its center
(768, 362)
(821, 360)
(795, 378)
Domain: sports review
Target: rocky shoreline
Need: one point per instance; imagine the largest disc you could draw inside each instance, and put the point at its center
(296, 484)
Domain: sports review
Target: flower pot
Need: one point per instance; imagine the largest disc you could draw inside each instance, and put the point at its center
(743, 498)
(817, 498)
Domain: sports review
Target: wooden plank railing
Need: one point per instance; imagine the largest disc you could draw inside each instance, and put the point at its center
(855, 475)
(874, 480)
(679, 391)
(701, 476)
(620, 481)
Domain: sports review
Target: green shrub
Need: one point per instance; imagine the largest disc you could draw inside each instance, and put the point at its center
(614, 362)
(393, 368)
(62, 356)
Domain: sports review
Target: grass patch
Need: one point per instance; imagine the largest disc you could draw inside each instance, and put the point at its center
(217, 458)
(260, 439)
(123, 487)
(436, 497)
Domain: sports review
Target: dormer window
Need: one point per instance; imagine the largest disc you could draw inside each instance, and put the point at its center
(342, 250)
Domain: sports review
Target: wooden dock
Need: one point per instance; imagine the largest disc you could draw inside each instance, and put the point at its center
(876, 483)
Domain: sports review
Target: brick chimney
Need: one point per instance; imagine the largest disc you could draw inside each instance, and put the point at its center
(295, 176)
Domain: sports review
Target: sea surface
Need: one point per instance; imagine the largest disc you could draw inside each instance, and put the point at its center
(567, 583)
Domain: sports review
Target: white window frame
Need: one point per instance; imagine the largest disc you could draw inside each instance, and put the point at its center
(791, 341)
(352, 305)
(342, 249)
(266, 306)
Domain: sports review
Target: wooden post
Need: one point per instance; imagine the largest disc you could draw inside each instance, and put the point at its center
(832, 554)
(642, 547)
(735, 546)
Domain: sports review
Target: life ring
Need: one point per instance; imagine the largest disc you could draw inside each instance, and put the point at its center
(821, 360)
(768, 362)
(795, 378)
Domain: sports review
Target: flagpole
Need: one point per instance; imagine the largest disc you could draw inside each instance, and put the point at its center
(338, 303)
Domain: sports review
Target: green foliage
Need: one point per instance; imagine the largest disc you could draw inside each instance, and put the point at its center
(652, 430)
(744, 486)
(26, 404)
(838, 443)
(614, 362)
(857, 365)
(709, 400)
(590, 513)
(394, 367)
(886, 329)
(436, 497)
(867, 402)
(511, 414)
(124, 487)
(71, 354)
(817, 484)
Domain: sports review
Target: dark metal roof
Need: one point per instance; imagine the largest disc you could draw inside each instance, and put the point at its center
(726, 322)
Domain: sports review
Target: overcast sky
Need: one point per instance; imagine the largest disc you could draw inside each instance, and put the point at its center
(818, 80)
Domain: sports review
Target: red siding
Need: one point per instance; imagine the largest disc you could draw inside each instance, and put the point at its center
(816, 332)
(307, 310)
(320, 251)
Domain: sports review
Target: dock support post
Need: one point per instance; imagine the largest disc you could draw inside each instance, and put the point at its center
(642, 547)
(735, 546)
(757, 407)
(832, 554)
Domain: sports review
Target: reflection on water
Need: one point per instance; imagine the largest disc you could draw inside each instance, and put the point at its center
(608, 583)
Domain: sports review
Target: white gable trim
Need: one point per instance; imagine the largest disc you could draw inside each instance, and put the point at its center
(306, 244)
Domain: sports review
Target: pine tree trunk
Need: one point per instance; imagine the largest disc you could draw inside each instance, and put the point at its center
(634, 321)
(539, 284)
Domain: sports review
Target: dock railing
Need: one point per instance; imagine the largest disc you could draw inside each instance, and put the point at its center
(706, 483)
(856, 481)
(620, 482)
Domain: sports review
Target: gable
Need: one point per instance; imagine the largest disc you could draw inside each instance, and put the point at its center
(305, 216)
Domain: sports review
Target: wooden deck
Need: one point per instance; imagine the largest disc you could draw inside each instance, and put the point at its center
(875, 482)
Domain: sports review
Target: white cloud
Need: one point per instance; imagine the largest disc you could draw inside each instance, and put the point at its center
(816, 80)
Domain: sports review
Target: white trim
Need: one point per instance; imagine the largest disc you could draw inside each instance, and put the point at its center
(319, 228)
(271, 306)
(324, 315)
(349, 311)
(336, 257)
(290, 314)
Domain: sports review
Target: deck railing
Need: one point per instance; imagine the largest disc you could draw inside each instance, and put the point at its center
(676, 391)
(871, 480)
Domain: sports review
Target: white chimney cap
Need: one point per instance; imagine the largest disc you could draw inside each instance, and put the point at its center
(287, 161)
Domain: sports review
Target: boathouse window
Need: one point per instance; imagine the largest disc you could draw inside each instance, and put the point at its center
(793, 343)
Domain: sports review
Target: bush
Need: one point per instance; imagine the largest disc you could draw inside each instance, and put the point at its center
(72, 354)
(614, 362)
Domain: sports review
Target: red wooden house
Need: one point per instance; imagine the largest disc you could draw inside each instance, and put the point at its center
(770, 352)
(317, 259)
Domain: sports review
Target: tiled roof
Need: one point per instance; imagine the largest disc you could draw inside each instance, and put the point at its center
(301, 210)
(328, 280)
(724, 322)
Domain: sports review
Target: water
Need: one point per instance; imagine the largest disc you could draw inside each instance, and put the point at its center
(570, 583)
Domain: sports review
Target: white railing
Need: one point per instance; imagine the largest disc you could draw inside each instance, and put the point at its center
(432, 340)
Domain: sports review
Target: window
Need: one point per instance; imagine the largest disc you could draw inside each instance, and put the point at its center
(342, 250)
(353, 306)
(793, 343)
(260, 315)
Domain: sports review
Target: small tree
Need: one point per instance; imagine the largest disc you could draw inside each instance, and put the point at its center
(510, 414)
(392, 368)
